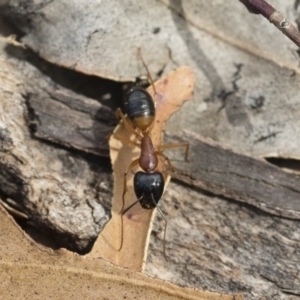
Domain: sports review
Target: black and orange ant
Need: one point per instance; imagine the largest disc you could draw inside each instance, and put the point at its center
(149, 184)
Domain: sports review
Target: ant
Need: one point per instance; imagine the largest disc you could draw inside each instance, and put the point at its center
(149, 184)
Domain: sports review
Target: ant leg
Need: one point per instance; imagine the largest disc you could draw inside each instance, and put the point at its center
(166, 223)
(133, 164)
(177, 145)
(127, 124)
(166, 158)
(124, 212)
(147, 70)
(125, 139)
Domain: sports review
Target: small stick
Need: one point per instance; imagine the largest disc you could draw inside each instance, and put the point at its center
(275, 17)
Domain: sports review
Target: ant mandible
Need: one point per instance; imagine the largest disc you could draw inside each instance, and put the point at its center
(148, 185)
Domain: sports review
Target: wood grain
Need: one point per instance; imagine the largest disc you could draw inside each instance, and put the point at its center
(223, 172)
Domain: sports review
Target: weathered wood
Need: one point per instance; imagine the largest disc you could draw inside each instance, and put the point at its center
(71, 120)
(64, 194)
(220, 244)
(239, 177)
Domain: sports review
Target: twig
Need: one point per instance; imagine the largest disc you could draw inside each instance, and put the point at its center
(275, 17)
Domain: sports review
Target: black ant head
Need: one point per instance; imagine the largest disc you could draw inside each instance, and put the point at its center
(148, 188)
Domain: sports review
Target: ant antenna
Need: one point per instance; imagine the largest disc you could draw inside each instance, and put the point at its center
(161, 213)
(147, 70)
(131, 205)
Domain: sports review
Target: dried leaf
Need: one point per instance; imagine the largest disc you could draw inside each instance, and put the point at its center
(172, 90)
(33, 272)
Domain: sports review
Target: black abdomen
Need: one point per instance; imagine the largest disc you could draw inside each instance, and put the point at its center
(139, 103)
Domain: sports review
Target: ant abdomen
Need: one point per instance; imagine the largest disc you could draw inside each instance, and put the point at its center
(140, 108)
(148, 188)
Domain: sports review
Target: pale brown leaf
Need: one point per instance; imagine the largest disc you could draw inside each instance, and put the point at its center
(28, 271)
(172, 90)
